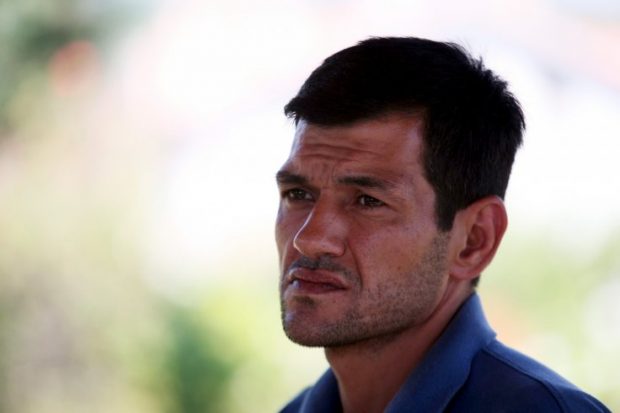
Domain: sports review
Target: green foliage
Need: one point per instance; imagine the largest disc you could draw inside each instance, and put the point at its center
(198, 375)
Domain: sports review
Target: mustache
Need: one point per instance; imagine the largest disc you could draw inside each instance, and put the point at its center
(324, 262)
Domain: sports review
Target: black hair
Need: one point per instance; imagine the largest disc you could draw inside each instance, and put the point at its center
(472, 124)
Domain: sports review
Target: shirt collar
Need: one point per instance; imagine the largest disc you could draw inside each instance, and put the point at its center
(444, 369)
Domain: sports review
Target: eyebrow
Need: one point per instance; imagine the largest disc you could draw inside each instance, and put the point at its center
(364, 181)
(286, 177)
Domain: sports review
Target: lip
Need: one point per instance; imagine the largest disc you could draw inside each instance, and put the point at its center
(309, 281)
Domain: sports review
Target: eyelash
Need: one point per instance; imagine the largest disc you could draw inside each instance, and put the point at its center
(296, 194)
(376, 203)
(301, 195)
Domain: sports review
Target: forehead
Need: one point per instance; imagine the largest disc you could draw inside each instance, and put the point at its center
(392, 144)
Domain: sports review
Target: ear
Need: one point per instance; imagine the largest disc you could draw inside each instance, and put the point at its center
(476, 234)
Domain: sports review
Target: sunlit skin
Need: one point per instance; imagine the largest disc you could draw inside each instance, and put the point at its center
(365, 271)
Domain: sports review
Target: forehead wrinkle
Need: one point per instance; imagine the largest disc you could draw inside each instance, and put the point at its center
(338, 153)
(342, 155)
(366, 181)
(334, 139)
(346, 171)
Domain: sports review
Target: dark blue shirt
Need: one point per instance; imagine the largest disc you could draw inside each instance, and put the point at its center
(466, 370)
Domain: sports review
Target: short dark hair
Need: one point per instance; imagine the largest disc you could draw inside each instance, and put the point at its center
(472, 124)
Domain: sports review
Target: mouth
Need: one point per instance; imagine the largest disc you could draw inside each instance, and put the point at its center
(305, 281)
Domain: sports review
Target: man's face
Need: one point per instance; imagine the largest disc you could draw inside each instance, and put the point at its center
(360, 253)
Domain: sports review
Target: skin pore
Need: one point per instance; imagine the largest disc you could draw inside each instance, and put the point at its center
(366, 273)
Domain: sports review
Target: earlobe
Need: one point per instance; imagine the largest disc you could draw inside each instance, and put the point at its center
(477, 233)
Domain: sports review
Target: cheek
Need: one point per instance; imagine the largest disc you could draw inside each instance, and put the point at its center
(386, 255)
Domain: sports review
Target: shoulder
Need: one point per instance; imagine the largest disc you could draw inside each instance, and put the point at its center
(504, 380)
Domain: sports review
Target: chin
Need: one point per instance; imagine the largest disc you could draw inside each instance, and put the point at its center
(305, 332)
(318, 335)
(297, 331)
(305, 340)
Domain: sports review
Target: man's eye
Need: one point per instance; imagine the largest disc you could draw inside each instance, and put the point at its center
(297, 194)
(367, 201)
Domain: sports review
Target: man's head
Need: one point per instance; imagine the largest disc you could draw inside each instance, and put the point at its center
(472, 123)
(390, 198)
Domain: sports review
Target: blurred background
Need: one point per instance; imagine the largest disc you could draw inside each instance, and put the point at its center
(138, 144)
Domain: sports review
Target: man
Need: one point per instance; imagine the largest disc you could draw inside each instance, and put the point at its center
(391, 207)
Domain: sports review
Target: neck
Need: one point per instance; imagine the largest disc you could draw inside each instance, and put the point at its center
(370, 373)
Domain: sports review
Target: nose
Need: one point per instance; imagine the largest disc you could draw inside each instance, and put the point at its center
(323, 233)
